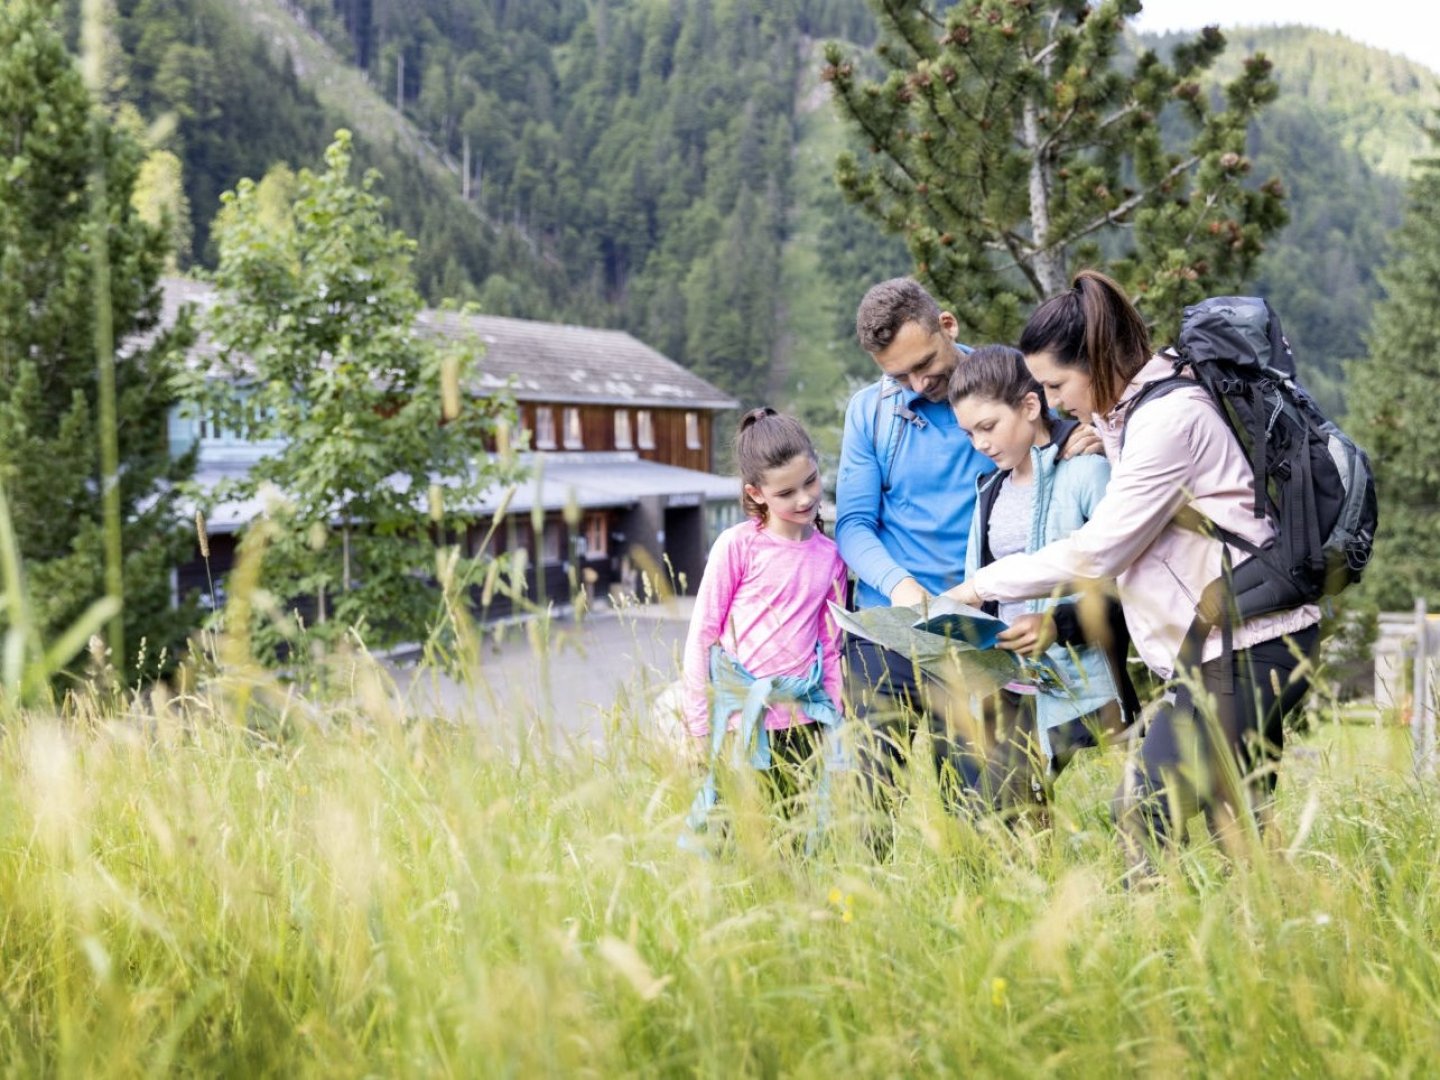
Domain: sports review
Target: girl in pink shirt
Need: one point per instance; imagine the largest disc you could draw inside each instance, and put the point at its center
(762, 654)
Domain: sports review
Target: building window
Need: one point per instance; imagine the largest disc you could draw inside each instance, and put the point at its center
(692, 431)
(645, 429)
(574, 433)
(212, 430)
(719, 516)
(485, 539)
(552, 544)
(597, 541)
(544, 427)
(520, 536)
(623, 440)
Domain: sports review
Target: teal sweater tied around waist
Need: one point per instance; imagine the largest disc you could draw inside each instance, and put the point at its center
(734, 689)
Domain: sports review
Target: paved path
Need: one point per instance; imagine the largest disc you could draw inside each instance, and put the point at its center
(610, 661)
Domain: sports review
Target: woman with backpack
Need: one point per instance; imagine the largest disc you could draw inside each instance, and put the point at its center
(1178, 477)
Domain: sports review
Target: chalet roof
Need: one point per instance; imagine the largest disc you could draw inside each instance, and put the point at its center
(622, 478)
(546, 361)
(575, 364)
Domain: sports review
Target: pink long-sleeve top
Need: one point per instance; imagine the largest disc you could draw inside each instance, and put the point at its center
(762, 599)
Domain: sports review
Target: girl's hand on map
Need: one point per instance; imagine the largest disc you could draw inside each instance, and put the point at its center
(1030, 635)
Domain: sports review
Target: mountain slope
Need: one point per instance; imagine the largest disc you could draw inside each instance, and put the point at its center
(1343, 134)
(667, 166)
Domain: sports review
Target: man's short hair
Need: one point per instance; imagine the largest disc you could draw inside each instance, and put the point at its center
(890, 305)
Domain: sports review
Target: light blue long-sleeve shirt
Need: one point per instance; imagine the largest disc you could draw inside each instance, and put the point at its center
(917, 524)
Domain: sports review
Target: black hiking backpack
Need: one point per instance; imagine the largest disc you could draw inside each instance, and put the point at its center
(1312, 481)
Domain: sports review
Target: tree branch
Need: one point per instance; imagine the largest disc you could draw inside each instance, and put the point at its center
(1110, 216)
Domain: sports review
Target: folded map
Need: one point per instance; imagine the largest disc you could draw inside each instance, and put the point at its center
(950, 642)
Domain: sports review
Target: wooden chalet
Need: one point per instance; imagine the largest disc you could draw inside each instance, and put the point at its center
(619, 435)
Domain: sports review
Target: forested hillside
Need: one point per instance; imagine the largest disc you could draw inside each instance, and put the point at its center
(1343, 134)
(650, 147)
(666, 166)
(221, 96)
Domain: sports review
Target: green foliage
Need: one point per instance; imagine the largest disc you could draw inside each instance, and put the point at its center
(1008, 145)
(29, 664)
(832, 253)
(1376, 102)
(609, 146)
(161, 202)
(1390, 405)
(234, 110)
(318, 341)
(642, 150)
(1320, 272)
(49, 459)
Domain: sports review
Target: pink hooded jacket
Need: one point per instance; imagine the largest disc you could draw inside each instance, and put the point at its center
(1178, 452)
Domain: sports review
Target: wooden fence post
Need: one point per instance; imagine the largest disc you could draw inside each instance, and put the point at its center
(1422, 713)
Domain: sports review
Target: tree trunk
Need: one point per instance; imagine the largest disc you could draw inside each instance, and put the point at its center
(1049, 264)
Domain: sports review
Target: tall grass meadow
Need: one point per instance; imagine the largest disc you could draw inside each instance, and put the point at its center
(248, 873)
(242, 877)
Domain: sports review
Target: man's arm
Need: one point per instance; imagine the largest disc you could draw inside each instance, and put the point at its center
(857, 507)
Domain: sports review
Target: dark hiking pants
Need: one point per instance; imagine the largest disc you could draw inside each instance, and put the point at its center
(1220, 756)
(894, 700)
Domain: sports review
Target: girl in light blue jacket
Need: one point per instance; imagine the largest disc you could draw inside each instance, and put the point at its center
(1031, 499)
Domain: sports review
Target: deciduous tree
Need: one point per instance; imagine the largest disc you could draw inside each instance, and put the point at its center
(318, 341)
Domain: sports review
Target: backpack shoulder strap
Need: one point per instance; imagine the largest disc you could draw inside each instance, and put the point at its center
(1152, 392)
(891, 414)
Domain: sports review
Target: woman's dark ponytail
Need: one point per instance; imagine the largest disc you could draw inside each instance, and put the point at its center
(1092, 326)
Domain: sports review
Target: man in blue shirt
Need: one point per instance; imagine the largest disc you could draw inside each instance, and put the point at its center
(904, 494)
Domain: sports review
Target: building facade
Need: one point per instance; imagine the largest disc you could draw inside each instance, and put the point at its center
(619, 440)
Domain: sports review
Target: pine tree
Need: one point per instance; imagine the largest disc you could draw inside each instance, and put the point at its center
(1010, 144)
(49, 456)
(1390, 405)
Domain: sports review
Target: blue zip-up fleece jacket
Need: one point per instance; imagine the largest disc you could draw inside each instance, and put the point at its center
(1065, 494)
(914, 521)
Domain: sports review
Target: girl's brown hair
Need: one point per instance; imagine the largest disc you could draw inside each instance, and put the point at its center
(996, 373)
(1092, 326)
(767, 440)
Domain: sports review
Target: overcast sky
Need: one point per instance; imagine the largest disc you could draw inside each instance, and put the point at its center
(1408, 27)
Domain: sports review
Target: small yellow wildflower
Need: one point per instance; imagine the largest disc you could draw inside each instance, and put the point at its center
(998, 993)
